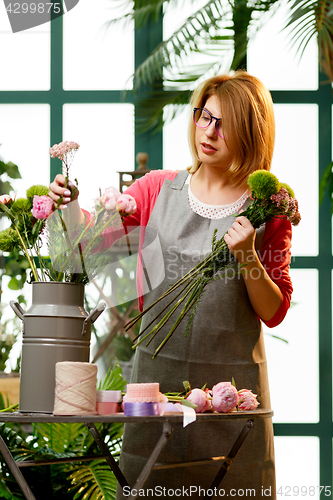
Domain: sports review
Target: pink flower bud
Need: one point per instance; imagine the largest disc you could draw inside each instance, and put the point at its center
(42, 207)
(5, 199)
(199, 398)
(126, 205)
(109, 199)
(247, 400)
(225, 397)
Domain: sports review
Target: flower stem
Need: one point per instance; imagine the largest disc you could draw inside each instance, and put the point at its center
(187, 307)
(165, 319)
(30, 259)
(162, 311)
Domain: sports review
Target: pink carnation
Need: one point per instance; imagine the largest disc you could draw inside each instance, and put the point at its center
(109, 199)
(225, 397)
(5, 199)
(199, 398)
(42, 207)
(247, 400)
(126, 205)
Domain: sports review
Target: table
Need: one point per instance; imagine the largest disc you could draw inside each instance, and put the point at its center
(166, 421)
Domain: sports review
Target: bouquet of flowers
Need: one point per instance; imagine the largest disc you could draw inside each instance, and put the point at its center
(271, 199)
(72, 247)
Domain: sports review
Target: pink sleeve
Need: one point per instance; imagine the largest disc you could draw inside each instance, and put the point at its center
(275, 257)
(145, 191)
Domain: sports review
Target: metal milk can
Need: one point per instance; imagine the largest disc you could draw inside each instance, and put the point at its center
(55, 328)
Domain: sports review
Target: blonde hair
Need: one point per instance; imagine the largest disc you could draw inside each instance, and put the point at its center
(247, 121)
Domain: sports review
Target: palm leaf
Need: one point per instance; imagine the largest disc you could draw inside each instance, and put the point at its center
(309, 18)
(93, 481)
(196, 34)
(61, 437)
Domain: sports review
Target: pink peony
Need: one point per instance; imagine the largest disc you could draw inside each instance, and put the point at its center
(109, 199)
(42, 207)
(225, 397)
(126, 205)
(247, 400)
(199, 398)
(5, 199)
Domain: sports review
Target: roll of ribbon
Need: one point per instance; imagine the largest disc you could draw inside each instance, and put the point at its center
(75, 390)
(141, 409)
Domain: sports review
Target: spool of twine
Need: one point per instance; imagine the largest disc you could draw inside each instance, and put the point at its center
(75, 389)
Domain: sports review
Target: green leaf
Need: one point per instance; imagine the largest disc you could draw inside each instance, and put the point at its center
(14, 284)
(113, 380)
(233, 382)
(187, 386)
(6, 187)
(186, 402)
(12, 171)
(92, 480)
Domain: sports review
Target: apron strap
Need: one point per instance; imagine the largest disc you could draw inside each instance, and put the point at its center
(179, 180)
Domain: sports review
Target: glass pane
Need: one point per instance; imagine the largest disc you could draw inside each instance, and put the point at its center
(295, 162)
(176, 153)
(272, 58)
(106, 145)
(96, 58)
(25, 56)
(297, 476)
(295, 365)
(25, 140)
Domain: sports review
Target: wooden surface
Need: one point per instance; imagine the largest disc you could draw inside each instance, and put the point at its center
(10, 387)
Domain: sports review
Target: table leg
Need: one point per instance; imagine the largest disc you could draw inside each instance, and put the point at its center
(230, 458)
(109, 458)
(16, 471)
(166, 433)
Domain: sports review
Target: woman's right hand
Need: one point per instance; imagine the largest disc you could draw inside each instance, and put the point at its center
(58, 189)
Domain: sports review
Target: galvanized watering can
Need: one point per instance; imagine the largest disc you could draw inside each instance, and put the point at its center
(55, 328)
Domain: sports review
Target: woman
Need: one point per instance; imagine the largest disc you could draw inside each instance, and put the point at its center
(231, 135)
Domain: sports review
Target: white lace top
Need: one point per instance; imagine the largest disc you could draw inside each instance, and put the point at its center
(213, 211)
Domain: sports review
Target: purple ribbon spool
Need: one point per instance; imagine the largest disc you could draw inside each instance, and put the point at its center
(141, 409)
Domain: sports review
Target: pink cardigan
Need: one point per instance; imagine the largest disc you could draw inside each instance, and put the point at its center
(275, 250)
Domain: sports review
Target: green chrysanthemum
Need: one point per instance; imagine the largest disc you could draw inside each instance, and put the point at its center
(38, 190)
(9, 240)
(288, 188)
(21, 205)
(263, 184)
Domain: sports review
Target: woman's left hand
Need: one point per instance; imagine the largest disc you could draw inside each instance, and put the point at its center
(240, 239)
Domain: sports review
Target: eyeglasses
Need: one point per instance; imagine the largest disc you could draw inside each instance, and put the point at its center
(203, 118)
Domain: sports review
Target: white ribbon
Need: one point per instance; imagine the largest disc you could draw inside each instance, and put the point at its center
(189, 414)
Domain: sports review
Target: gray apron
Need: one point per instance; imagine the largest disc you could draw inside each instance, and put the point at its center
(225, 341)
